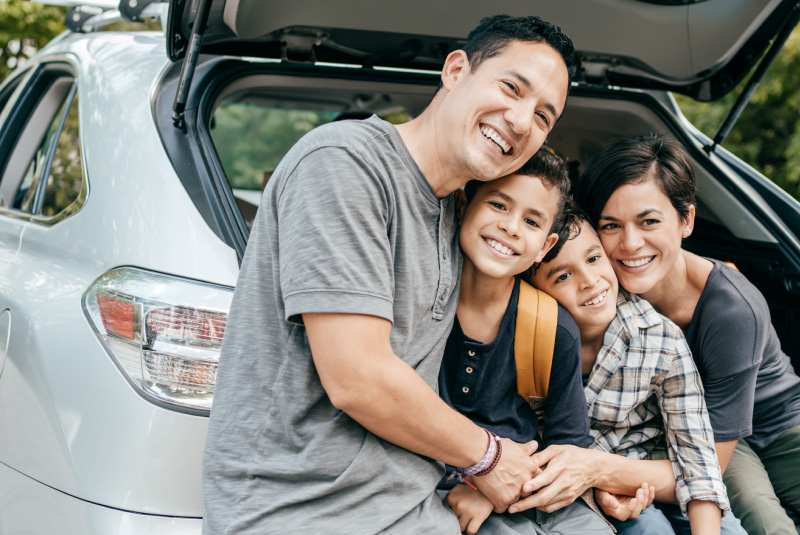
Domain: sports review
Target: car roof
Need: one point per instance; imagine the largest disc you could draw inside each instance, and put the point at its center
(697, 47)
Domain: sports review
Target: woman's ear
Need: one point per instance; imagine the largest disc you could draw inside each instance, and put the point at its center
(461, 203)
(688, 222)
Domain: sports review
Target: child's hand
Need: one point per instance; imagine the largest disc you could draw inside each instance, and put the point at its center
(470, 506)
(624, 507)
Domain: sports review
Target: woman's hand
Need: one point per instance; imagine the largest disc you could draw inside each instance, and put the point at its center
(568, 473)
(624, 507)
(470, 506)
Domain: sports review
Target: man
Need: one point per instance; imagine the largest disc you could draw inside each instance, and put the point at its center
(325, 417)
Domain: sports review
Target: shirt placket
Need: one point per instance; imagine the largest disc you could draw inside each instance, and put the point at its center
(445, 231)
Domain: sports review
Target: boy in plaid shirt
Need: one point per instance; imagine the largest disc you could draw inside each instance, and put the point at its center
(644, 396)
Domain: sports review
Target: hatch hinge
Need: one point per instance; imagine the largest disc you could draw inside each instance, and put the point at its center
(755, 79)
(298, 44)
(190, 63)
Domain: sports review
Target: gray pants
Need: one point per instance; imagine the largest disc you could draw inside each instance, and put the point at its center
(576, 518)
(763, 485)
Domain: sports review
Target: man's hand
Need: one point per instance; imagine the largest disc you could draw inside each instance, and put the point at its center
(503, 485)
(470, 506)
(625, 507)
(568, 473)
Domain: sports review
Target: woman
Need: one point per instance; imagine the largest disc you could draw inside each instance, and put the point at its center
(640, 195)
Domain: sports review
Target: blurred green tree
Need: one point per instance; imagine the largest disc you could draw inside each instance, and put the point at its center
(25, 28)
(767, 135)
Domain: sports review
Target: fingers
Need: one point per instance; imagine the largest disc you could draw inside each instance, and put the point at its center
(606, 500)
(473, 526)
(546, 455)
(542, 479)
(463, 522)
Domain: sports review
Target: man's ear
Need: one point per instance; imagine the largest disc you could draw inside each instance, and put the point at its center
(455, 66)
(551, 240)
(688, 222)
(461, 203)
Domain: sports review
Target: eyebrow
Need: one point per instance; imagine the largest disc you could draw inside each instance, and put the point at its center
(527, 83)
(532, 211)
(593, 247)
(638, 216)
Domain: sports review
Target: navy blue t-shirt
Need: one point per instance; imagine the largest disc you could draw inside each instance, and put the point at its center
(480, 381)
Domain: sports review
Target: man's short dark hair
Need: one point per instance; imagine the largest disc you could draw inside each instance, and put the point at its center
(493, 34)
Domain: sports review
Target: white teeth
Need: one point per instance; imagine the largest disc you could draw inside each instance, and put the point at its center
(490, 133)
(500, 247)
(637, 263)
(599, 299)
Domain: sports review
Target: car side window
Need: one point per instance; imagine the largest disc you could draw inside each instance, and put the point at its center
(38, 165)
(43, 173)
(65, 182)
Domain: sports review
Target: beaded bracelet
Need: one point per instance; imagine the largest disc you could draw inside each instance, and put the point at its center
(487, 463)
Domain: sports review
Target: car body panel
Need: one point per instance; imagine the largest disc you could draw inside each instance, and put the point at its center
(90, 434)
(36, 508)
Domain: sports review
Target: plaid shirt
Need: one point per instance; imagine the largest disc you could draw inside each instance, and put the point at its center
(645, 401)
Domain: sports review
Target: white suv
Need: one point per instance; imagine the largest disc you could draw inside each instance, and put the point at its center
(132, 165)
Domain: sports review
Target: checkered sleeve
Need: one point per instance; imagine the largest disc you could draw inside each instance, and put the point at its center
(690, 440)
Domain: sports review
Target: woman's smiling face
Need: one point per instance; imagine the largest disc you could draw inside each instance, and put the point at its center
(642, 234)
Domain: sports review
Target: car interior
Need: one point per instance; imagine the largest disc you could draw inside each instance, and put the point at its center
(255, 119)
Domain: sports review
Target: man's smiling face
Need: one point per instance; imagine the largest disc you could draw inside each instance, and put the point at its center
(498, 115)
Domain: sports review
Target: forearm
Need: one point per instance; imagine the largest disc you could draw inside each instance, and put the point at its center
(704, 517)
(622, 475)
(398, 406)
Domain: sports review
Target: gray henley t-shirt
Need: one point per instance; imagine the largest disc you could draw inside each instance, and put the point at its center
(347, 224)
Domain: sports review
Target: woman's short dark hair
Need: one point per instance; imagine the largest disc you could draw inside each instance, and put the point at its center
(493, 34)
(632, 161)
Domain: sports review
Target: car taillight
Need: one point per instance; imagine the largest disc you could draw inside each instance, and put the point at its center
(163, 332)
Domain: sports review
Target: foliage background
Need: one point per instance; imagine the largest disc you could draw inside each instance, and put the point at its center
(767, 135)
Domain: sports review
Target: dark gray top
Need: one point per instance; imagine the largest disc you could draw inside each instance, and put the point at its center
(348, 224)
(480, 381)
(751, 390)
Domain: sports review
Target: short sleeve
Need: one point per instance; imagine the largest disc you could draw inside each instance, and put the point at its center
(728, 358)
(335, 255)
(566, 420)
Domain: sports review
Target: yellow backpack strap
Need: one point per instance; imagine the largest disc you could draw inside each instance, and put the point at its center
(534, 340)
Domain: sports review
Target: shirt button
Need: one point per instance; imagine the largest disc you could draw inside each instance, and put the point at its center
(469, 369)
(465, 389)
(471, 353)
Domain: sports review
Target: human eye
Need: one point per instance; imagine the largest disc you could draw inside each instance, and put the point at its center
(543, 117)
(650, 222)
(592, 259)
(511, 87)
(498, 205)
(532, 222)
(608, 226)
(561, 278)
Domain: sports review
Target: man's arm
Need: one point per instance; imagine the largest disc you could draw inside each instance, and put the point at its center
(365, 379)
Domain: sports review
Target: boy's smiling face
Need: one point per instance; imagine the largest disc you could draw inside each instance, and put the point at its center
(506, 226)
(582, 280)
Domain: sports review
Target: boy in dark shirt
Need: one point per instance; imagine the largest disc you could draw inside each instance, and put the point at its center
(507, 225)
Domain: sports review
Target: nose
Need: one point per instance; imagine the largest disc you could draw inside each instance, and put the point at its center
(631, 239)
(510, 224)
(587, 278)
(520, 116)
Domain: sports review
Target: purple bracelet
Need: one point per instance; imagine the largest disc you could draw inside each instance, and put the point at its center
(487, 463)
